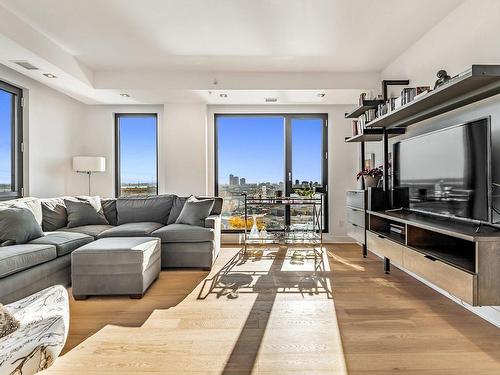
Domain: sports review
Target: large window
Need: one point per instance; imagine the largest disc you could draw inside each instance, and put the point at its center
(266, 155)
(11, 160)
(136, 154)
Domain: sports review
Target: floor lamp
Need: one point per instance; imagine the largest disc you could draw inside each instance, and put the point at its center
(89, 165)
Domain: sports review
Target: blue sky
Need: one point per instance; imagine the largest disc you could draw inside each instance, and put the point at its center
(254, 148)
(138, 149)
(5, 137)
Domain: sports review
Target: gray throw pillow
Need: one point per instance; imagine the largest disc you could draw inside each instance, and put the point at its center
(54, 214)
(195, 212)
(154, 208)
(17, 226)
(83, 213)
(176, 209)
(109, 208)
(8, 323)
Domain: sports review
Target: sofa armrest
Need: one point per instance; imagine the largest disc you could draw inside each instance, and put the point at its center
(213, 222)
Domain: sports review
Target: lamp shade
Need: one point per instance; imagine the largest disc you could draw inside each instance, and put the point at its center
(89, 164)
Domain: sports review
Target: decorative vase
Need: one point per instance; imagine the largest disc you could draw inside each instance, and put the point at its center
(263, 233)
(254, 232)
(371, 181)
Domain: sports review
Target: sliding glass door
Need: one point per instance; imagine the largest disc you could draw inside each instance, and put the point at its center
(251, 160)
(265, 156)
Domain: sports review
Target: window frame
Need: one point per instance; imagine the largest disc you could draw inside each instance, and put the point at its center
(16, 142)
(288, 117)
(117, 147)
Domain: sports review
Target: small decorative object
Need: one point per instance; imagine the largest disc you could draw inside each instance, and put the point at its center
(443, 77)
(362, 97)
(254, 232)
(371, 176)
(263, 232)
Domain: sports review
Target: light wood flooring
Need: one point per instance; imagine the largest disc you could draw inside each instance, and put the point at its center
(270, 313)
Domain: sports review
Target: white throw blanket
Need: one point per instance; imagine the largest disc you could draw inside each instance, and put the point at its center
(44, 319)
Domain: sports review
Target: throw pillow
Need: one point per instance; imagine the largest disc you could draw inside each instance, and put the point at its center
(18, 225)
(54, 214)
(8, 323)
(109, 208)
(83, 213)
(195, 211)
(176, 209)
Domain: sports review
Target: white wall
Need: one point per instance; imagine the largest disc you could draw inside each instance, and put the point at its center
(97, 137)
(342, 161)
(184, 149)
(467, 36)
(51, 124)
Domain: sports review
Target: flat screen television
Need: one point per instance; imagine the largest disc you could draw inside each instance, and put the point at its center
(447, 171)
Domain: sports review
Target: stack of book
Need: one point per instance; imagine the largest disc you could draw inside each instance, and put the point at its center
(407, 95)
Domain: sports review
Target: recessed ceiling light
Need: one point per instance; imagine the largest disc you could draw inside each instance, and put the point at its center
(49, 75)
(223, 95)
(125, 95)
(321, 95)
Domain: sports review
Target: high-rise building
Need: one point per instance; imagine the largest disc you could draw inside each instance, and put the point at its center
(234, 180)
(243, 181)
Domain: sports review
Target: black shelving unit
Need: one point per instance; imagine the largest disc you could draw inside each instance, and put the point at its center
(374, 135)
(477, 83)
(365, 106)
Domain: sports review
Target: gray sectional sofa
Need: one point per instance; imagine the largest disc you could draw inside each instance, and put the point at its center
(45, 261)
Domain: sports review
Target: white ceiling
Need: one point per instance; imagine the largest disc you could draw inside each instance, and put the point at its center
(214, 36)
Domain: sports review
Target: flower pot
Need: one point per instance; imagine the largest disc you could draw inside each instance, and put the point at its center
(371, 181)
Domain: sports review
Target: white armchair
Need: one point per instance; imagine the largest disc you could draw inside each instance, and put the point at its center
(44, 319)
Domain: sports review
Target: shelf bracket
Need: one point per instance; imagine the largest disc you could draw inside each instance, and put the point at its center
(392, 82)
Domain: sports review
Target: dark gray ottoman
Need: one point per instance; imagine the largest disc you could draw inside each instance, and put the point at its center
(120, 265)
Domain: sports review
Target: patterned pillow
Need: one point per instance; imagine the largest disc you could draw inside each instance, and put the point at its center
(8, 323)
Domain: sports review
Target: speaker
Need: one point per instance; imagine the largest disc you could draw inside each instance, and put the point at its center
(377, 200)
(400, 197)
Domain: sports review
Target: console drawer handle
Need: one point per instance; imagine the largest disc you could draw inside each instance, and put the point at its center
(354, 225)
(430, 257)
(380, 236)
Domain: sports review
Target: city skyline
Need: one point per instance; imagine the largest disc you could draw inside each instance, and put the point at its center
(254, 147)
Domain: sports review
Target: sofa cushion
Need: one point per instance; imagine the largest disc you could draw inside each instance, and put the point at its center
(184, 233)
(91, 230)
(65, 242)
(54, 214)
(131, 230)
(176, 209)
(195, 211)
(109, 209)
(16, 258)
(179, 204)
(18, 225)
(32, 203)
(84, 213)
(144, 209)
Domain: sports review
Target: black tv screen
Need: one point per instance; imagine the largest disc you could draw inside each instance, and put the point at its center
(447, 171)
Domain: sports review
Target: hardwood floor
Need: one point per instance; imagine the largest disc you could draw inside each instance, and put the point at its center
(269, 313)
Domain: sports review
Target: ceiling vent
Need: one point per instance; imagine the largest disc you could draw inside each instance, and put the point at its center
(25, 65)
(271, 100)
